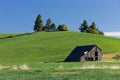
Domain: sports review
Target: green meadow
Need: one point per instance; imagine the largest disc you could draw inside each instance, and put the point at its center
(65, 71)
(51, 47)
(43, 54)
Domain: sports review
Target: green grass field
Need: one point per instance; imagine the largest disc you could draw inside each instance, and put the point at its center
(65, 71)
(52, 46)
(43, 52)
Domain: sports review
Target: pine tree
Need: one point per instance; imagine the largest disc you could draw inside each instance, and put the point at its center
(38, 24)
(48, 25)
(48, 22)
(84, 26)
(53, 27)
(93, 25)
(92, 29)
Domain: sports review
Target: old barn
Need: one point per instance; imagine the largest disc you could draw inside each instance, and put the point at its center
(85, 53)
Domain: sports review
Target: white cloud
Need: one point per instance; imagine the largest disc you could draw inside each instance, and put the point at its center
(112, 33)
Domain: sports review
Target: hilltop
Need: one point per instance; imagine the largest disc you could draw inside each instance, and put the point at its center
(50, 46)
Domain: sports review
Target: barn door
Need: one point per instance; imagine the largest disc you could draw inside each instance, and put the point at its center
(96, 55)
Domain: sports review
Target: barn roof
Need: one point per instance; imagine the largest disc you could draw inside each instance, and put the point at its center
(79, 51)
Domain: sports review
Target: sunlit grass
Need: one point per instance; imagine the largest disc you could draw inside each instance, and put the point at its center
(51, 46)
(65, 71)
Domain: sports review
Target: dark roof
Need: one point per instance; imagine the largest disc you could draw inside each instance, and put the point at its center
(79, 51)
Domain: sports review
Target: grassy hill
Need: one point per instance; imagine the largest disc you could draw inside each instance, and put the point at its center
(52, 46)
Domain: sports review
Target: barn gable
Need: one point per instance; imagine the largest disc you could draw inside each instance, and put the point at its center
(84, 53)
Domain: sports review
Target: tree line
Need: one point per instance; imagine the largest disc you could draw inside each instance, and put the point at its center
(51, 27)
(84, 27)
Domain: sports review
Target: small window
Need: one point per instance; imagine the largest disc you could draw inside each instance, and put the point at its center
(90, 58)
(86, 58)
(96, 53)
(96, 58)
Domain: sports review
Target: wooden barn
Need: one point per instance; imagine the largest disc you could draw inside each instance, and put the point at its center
(85, 53)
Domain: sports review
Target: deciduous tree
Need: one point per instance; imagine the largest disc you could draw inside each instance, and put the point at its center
(62, 27)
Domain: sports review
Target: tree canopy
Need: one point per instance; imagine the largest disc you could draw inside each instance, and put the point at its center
(62, 27)
(90, 29)
(83, 26)
(50, 26)
(38, 24)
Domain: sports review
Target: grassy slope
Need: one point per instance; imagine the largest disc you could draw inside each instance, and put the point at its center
(52, 46)
(3, 35)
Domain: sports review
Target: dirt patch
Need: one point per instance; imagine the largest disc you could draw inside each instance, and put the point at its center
(109, 57)
(20, 67)
(101, 67)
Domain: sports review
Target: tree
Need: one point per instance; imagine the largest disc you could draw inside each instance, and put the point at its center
(62, 27)
(38, 24)
(53, 27)
(48, 24)
(84, 26)
(93, 29)
(90, 30)
(101, 33)
(93, 25)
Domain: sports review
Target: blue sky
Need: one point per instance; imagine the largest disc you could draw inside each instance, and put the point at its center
(19, 15)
